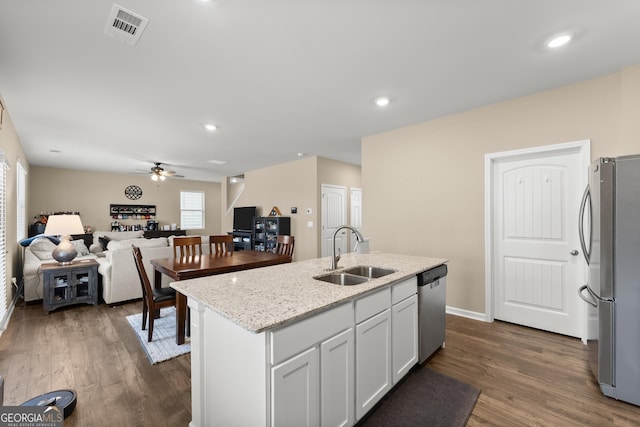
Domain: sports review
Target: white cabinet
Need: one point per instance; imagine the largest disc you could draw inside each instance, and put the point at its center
(404, 321)
(295, 399)
(337, 380)
(328, 369)
(373, 350)
(404, 333)
(312, 374)
(373, 361)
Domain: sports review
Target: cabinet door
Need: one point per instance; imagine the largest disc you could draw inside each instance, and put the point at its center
(60, 287)
(373, 361)
(83, 281)
(295, 397)
(404, 323)
(258, 234)
(336, 380)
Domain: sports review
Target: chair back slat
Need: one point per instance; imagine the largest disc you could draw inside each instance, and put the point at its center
(284, 244)
(221, 245)
(187, 246)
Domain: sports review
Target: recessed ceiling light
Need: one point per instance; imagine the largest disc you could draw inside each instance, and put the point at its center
(383, 101)
(210, 127)
(559, 40)
(216, 162)
(301, 154)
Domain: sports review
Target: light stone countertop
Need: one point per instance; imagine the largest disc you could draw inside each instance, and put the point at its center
(265, 298)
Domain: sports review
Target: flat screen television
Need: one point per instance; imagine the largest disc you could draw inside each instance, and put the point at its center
(243, 218)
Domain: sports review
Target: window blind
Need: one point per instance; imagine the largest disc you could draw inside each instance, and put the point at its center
(21, 193)
(3, 238)
(191, 210)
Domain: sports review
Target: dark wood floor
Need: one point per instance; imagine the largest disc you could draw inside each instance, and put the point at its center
(527, 377)
(93, 351)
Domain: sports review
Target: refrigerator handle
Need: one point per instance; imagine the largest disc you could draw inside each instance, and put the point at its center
(583, 204)
(591, 300)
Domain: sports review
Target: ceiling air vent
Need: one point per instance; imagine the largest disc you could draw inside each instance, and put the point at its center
(125, 25)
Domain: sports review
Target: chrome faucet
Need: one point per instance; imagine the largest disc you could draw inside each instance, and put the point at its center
(335, 258)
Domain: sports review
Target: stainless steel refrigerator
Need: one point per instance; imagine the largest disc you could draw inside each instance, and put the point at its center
(610, 238)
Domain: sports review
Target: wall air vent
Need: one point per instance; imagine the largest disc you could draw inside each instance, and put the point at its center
(125, 25)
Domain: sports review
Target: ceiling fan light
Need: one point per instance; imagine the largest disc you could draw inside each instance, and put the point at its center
(154, 177)
(162, 177)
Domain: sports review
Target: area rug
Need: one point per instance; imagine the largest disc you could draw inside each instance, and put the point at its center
(163, 346)
(425, 398)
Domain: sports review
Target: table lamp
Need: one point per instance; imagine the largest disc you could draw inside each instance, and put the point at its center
(64, 226)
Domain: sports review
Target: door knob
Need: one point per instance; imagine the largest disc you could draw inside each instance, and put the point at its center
(574, 252)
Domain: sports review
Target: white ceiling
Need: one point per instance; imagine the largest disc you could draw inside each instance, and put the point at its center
(280, 77)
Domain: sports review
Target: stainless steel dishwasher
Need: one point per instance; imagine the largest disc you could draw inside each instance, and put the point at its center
(432, 292)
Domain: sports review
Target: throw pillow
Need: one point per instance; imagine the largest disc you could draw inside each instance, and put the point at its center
(42, 248)
(27, 242)
(104, 242)
(80, 247)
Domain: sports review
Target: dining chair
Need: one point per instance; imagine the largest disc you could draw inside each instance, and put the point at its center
(152, 299)
(284, 245)
(221, 245)
(187, 246)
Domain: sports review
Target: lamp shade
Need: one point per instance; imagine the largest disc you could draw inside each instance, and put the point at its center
(64, 226)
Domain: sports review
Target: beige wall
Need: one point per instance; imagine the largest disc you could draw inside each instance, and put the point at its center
(424, 184)
(13, 153)
(294, 184)
(91, 193)
(287, 185)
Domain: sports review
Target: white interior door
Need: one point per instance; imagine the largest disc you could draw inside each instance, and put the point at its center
(334, 214)
(537, 268)
(355, 211)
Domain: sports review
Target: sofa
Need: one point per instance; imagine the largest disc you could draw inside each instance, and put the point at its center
(117, 269)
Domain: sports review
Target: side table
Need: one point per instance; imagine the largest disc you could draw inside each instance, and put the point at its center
(69, 284)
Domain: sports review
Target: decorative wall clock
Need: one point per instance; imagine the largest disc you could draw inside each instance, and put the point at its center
(133, 192)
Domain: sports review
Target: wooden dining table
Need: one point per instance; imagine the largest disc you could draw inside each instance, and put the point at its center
(182, 268)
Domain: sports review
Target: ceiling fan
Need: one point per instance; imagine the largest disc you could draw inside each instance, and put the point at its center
(159, 173)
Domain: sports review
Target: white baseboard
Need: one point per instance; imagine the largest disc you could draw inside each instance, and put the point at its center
(466, 313)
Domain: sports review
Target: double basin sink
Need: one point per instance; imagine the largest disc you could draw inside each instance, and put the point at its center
(355, 275)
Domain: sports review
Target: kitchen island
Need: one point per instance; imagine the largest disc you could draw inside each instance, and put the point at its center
(274, 346)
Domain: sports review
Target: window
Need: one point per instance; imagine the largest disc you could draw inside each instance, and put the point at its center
(21, 195)
(3, 238)
(191, 210)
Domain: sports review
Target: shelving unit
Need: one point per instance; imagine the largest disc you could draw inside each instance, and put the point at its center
(69, 284)
(241, 240)
(266, 229)
(132, 211)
